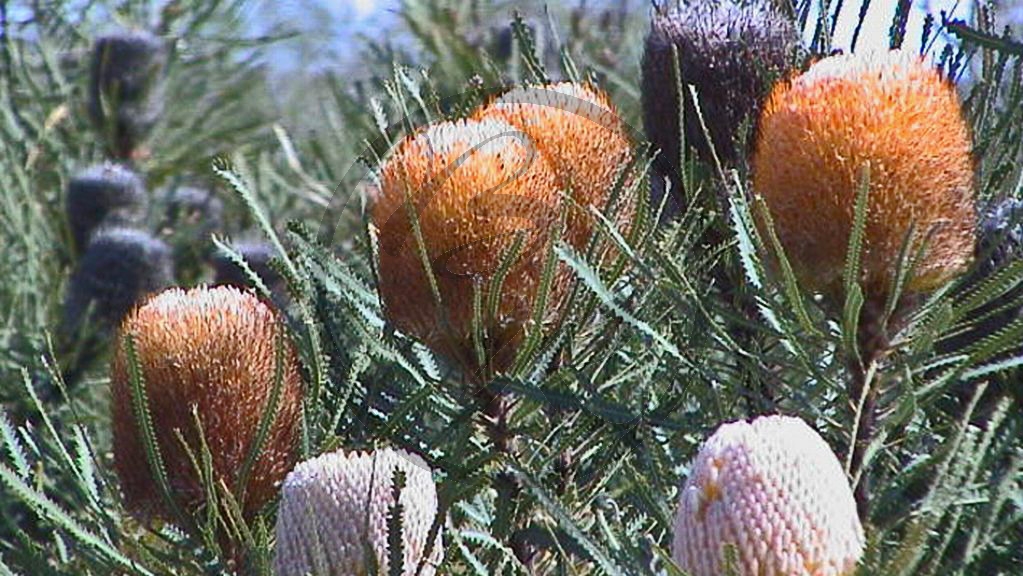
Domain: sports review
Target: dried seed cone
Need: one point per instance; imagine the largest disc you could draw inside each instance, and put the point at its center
(774, 490)
(475, 186)
(886, 111)
(578, 129)
(334, 515)
(194, 211)
(1001, 236)
(258, 256)
(1000, 244)
(211, 350)
(125, 88)
(106, 194)
(119, 269)
(731, 52)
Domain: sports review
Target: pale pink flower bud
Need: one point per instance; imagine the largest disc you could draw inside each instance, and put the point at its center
(773, 489)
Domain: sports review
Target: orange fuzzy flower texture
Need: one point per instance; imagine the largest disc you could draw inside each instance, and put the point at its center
(211, 350)
(475, 186)
(578, 129)
(890, 112)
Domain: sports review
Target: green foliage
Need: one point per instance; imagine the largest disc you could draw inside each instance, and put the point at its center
(668, 332)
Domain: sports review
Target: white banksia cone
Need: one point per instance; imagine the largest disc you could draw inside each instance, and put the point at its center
(334, 513)
(773, 489)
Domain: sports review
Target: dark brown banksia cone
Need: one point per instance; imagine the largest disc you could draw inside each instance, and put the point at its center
(125, 88)
(731, 51)
(258, 256)
(1000, 244)
(211, 351)
(888, 117)
(475, 187)
(104, 195)
(119, 269)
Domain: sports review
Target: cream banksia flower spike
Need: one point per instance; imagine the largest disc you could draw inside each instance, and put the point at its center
(773, 489)
(334, 515)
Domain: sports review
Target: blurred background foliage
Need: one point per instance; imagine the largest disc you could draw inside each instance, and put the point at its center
(286, 128)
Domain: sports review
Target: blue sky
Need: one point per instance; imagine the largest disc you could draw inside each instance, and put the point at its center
(339, 22)
(879, 17)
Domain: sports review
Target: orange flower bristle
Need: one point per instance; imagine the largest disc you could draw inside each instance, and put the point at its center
(578, 129)
(475, 187)
(212, 351)
(890, 113)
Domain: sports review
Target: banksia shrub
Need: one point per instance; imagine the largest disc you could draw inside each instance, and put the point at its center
(335, 510)
(211, 351)
(474, 187)
(125, 89)
(731, 52)
(108, 194)
(818, 135)
(577, 128)
(774, 491)
(120, 267)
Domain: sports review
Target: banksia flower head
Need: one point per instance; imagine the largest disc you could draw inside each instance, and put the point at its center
(120, 267)
(197, 210)
(773, 489)
(335, 510)
(206, 354)
(475, 187)
(1001, 236)
(577, 128)
(191, 215)
(731, 51)
(1000, 244)
(107, 194)
(258, 256)
(819, 134)
(125, 89)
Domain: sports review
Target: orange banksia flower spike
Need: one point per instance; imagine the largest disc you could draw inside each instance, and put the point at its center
(474, 187)
(578, 129)
(888, 117)
(211, 351)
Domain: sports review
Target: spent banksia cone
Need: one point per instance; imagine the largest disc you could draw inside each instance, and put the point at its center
(475, 186)
(1001, 236)
(895, 115)
(334, 515)
(1000, 245)
(106, 194)
(773, 489)
(258, 256)
(195, 211)
(731, 52)
(212, 351)
(125, 88)
(119, 269)
(577, 128)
